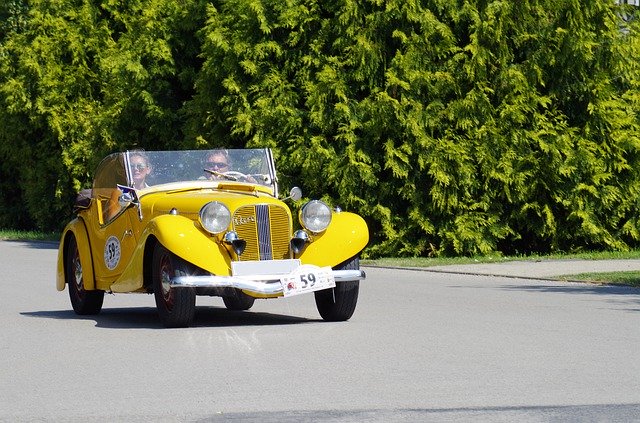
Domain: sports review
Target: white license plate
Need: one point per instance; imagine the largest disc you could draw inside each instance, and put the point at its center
(307, 278)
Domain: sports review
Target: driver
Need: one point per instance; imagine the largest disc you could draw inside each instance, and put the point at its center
(217, 164)
(217, 161)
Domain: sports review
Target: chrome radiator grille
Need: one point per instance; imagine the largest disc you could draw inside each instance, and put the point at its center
(267, 230)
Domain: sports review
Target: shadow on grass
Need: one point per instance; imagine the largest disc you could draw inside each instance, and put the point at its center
(625, 295)
(576, 287)
(628, 278)
(35, 245)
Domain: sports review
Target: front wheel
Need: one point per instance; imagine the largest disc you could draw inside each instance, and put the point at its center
(176, 306)
(83, 301)
(338, 304)
(239, 301)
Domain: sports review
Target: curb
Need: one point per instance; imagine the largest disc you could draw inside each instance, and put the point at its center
(500, 275)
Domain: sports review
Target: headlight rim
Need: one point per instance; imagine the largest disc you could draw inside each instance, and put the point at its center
(303, 216)
(218, 229)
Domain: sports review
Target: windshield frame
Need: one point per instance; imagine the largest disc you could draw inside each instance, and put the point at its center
(181, 169)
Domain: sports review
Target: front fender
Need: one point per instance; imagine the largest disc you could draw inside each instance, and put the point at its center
(345, 237)
(77, 229)
(179, 235)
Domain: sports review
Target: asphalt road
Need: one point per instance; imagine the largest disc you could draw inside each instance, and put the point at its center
(422, 346)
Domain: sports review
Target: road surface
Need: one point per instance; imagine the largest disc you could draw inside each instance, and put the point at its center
(422, 346)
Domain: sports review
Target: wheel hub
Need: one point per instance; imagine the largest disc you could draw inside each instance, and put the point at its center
(166, 274)
(77, 271)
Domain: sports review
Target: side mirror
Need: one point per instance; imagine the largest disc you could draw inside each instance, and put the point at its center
(295, 194)
(125, 199)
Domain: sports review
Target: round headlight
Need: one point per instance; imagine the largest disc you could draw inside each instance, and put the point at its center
(215, 217)
(315, 216)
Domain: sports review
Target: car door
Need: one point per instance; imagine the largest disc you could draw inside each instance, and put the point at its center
(112, 241)
(110, 224)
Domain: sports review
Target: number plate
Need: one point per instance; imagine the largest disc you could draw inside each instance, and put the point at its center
(307, 278)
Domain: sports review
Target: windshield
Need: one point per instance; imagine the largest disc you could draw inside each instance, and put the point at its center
(141, 169)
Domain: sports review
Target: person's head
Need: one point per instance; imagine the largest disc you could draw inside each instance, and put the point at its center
(218, 161)
(140, 168)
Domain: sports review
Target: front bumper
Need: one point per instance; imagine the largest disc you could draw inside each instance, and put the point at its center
(262, 284)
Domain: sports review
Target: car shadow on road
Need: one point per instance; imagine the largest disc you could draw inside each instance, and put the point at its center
(147, 318)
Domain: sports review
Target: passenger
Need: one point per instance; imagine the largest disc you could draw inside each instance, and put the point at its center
(140, 169)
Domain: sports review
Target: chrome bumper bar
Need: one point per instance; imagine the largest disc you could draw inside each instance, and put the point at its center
(258, 284)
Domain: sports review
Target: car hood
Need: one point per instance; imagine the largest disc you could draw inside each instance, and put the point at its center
(190, 201)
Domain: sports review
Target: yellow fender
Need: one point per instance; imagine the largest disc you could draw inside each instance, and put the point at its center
(76, 228)
(345, 237)
(180, 236)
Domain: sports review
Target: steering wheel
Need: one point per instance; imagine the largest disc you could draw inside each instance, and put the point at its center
(236, 176)
(230, 175)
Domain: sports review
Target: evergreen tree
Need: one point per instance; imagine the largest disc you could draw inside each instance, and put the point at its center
(453, 127)
(79, 80)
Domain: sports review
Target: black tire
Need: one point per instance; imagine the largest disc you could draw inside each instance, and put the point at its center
(338, 304)
(239, 301)
(83, 301)
(176, 306)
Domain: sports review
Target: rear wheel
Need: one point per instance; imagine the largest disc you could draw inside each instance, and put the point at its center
(84, 302)
(176, 306)
(239, 301)
(338, 304)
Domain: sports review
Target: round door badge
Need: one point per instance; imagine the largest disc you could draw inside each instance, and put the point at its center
(112, 252)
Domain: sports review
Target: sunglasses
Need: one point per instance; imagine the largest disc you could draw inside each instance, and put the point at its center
(218, 164)
(139, 166)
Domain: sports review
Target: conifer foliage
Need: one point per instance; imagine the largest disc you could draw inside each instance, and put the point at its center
(453, 127)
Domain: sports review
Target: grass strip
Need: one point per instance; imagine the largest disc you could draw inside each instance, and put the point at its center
(16, 235)
(443, 261)
(629, 278)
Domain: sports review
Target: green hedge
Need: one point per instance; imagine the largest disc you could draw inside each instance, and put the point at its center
(452, 127)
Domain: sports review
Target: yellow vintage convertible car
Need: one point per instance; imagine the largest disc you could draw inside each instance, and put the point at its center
(180, 224)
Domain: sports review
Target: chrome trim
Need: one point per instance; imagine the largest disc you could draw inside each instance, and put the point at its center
(257, 284)
(302, 235)
(266, 228)
(349, 275)
(263, 222)
(230, 236)
(299, 241)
